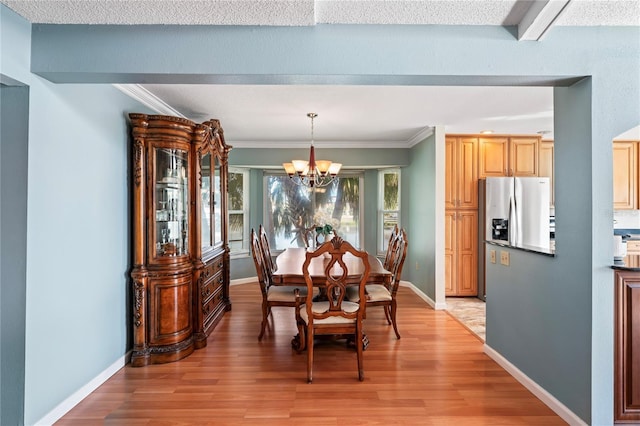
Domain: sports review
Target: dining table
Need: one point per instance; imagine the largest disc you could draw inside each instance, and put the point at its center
(289, 272)
(289, 269)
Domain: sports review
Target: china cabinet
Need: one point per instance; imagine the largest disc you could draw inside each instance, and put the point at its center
(180, 273)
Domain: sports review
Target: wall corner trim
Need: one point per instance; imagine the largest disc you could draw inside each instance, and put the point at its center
(558, 407)
(65, 406)
(423, 296)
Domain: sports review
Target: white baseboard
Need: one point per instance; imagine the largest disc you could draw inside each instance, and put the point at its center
(65, 406)
(243, 281)
(423, 296)
(558, 407)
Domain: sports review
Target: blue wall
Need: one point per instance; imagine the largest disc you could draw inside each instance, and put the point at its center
(569, 299)
(419, 213)
(77, 243)
(14, 133)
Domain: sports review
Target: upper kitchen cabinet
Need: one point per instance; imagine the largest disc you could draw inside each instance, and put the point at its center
(508, 156)
(625, 175)
(545, 167)
(461, 172)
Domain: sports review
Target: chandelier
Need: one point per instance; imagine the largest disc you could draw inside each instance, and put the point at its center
(314, 172)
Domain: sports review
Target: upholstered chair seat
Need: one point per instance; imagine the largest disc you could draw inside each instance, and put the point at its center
(385, 294)
(375, 293)
(285, 293)
(322, 307)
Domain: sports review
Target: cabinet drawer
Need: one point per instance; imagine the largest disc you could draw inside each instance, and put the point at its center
(211, 286)
(213, 305)
(216, 265)
(211, 268)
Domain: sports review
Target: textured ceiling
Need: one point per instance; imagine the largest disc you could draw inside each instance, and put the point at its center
(308, 12)
(362, 116)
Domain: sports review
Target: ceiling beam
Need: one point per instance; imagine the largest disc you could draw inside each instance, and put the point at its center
(539, 18)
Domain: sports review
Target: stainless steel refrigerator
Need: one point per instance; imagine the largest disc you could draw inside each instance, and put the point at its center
(513, 211)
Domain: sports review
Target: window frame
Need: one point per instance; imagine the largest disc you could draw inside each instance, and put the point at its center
(381, 249)
(246, 176)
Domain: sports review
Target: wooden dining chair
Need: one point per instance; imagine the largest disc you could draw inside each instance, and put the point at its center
(336, 315)
(266, 250)
(272, 295)
(391, 242)
(384, 294)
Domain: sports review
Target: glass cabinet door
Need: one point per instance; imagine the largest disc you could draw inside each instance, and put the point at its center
(171, 202)
(217, 204)
(206, 201)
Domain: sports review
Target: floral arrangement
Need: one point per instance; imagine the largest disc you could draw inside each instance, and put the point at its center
(324, 223)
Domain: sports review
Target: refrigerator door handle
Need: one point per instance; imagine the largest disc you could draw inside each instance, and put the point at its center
(513, 221)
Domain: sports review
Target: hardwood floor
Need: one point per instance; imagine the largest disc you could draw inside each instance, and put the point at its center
(437, 374)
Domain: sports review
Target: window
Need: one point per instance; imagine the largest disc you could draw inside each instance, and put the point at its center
(389, 205)
(238, 211)
(290, 208)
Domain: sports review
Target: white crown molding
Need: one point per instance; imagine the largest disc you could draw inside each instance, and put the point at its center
(325, 144)
(419, 137)
(539, 19)
(411, 142)
(146, 98)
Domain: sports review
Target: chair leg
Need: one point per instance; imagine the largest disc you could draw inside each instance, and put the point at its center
(265, 314)
(359, 349)
(394, 307)
(387, 314)
(310, 336)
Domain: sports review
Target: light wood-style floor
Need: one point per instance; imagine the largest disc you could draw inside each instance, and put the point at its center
(437, 374)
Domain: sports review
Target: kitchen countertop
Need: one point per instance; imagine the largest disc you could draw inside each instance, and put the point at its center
(634, 234)
(630, 262)
(530, 249)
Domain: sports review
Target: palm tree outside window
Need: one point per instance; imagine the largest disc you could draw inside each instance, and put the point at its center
(291, 208)
(238, 211)
(389, 206)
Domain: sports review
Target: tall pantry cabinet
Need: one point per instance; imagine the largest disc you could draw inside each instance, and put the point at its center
(180, 272)
(461, 216)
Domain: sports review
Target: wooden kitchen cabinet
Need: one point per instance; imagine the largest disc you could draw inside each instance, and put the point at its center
(633, 247)
(494, 156)
(461, 254)
(545, 167)
(627, 347)
(523, 156)
(461, 172)
(625, 175)
(508, 156)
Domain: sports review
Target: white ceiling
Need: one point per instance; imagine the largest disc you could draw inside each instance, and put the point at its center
(359, 116)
